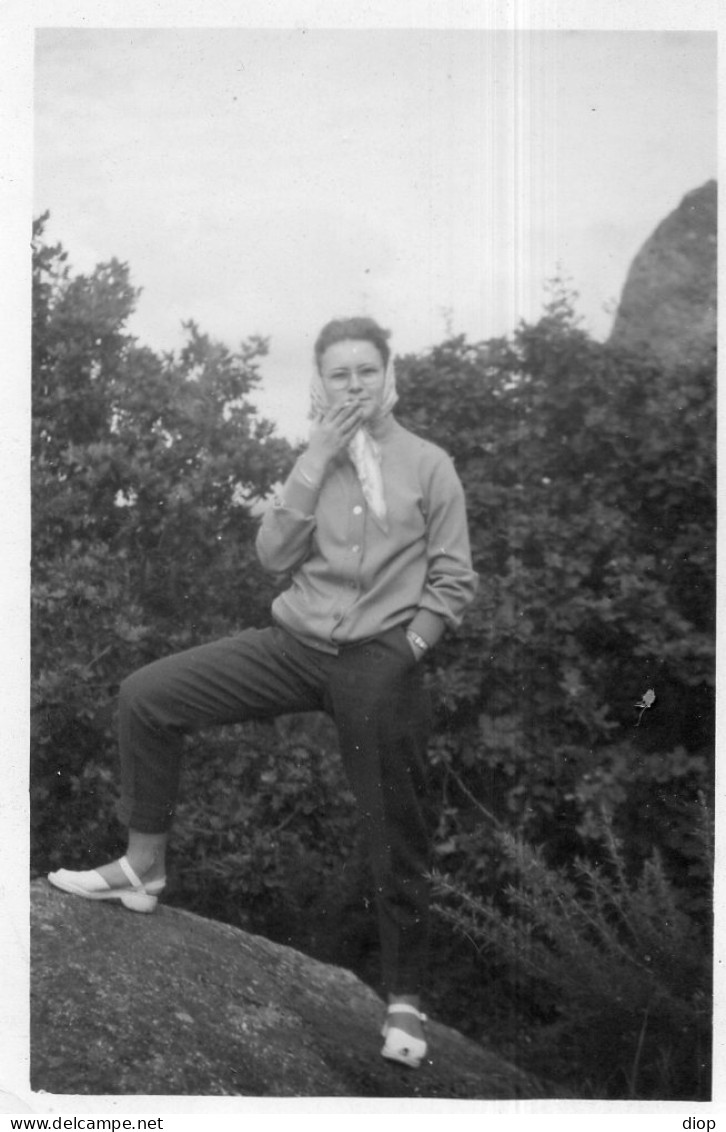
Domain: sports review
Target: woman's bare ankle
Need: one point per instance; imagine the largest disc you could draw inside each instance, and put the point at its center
(146, 867)
(407, 1022)
(146, 854)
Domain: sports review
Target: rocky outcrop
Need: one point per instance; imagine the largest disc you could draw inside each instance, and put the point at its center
(174, 1004)
(668, 305)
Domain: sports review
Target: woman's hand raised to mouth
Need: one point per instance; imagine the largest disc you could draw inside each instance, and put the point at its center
(333, 433)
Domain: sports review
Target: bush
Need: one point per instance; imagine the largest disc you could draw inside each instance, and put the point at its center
(266, 835)
(608, 973)
(591, 491)
(145, 472)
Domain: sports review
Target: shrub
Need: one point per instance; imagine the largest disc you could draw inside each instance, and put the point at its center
(266, 832)
(608, 972)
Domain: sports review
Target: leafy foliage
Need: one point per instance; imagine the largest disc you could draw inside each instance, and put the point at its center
(269, 840)
(590, 484)
(146, 470)
(581, 686)
(614, 970)
(581, 683)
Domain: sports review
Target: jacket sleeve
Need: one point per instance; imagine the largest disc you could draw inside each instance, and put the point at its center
(451, 582)
(284, 537)
(285, 534)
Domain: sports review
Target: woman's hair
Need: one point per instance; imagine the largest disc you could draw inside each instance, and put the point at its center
(353, 329)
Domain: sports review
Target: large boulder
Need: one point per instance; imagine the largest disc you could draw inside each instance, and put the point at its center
(668, 304)
(173, 1004)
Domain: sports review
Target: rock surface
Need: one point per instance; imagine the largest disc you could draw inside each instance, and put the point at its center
(668, 304)
(173, 1004)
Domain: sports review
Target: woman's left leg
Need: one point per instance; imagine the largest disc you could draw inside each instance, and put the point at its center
(382, 711)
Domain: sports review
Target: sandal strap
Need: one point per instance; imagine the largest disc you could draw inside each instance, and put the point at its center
(406, 1008)
(130, 874)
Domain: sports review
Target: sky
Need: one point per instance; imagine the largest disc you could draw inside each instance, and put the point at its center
(264, 180)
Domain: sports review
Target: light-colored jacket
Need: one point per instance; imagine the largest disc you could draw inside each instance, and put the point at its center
(351, 580)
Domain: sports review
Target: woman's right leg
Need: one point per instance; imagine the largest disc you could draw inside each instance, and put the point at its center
(256, 674)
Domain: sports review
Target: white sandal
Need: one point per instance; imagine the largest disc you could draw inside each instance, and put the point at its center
(137, 896)
(400, 1046)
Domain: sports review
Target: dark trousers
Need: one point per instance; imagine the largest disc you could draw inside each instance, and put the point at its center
(375, 694)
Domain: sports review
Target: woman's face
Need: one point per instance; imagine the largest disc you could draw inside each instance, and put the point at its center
(354, 370)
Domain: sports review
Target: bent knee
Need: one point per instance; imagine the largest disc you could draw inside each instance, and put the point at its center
(139, 690)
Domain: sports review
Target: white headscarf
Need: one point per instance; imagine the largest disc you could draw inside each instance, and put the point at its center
(363, 449)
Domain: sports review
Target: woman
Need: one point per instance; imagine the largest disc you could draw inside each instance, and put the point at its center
(371, 525)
